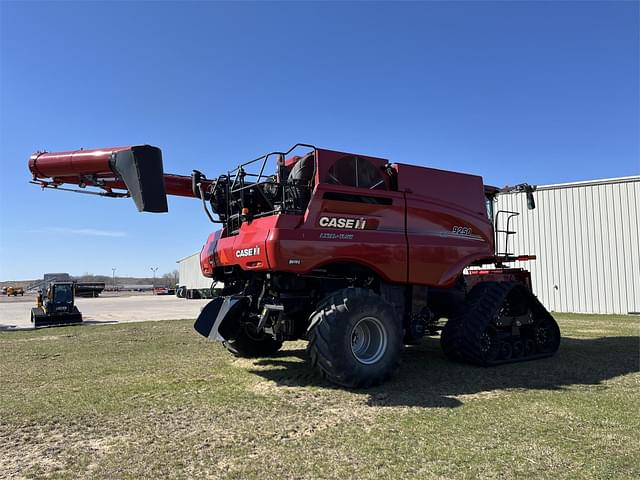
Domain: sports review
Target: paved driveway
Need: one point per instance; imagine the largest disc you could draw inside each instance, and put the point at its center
(15, 312)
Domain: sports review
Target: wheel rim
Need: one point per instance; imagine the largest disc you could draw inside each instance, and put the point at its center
(368, 340)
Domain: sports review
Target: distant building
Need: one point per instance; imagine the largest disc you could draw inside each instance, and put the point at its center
(190, 275)
(586, 236)
(57, 277)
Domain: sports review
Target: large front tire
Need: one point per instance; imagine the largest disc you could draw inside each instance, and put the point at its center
(355, 338)
(249, 344)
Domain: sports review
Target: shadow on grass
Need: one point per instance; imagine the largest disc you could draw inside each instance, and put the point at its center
(427, 379)
(29, 327)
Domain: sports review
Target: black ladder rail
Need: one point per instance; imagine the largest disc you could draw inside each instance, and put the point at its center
(507, 232)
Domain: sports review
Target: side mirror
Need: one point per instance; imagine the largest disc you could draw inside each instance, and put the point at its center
(531, 202)
(196, 178)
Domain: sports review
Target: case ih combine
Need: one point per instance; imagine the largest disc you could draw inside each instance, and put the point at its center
(358, 255)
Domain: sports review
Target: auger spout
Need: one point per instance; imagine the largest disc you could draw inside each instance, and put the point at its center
(134, 171)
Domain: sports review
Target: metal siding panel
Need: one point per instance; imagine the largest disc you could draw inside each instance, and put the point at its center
(567, 251)
(545, 261)
(578, 245)
(612, 249)
(633, 198)
(559, 277)
(551, 240)
(614, 253)
(573, 286)
(621, 289)
(593, 232)
(539, 264)
(542, 262)
(569, 226)
(598, 253)
(588, 241)
(626, 254)
(608, 254)
(582, 277)
(625, 224)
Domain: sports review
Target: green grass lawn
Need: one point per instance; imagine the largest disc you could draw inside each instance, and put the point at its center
(155, 400)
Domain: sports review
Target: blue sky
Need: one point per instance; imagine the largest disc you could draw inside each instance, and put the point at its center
(542, 92)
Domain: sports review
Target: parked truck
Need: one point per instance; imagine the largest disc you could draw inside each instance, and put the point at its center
(14, 291)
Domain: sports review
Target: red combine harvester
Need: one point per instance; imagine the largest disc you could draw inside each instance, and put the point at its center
(356, 254)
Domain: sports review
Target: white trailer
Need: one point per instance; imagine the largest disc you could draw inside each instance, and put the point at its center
(190, 279)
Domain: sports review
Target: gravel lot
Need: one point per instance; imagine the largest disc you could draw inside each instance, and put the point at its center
(15, 312)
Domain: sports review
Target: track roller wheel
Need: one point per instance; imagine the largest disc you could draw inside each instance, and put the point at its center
(506, 351)
(517, 349)
(547, 336)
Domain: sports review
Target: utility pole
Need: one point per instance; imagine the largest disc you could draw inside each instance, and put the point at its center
(154, 270)
(114, 279)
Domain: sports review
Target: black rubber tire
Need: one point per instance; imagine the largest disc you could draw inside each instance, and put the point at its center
(250, 346)
(330, 338)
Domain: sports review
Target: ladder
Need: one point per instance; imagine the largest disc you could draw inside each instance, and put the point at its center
(506, 215)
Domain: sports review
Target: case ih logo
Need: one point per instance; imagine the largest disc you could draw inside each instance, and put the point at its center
(248, 252)
(339, 222)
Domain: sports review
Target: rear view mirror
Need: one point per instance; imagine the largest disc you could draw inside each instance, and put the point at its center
(531, 202)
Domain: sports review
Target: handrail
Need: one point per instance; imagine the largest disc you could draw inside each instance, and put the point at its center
(506, 231)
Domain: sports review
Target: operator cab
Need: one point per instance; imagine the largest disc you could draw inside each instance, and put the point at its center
(62, 293)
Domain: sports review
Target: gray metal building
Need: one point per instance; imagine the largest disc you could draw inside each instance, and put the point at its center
(587, 241)
(190, 275)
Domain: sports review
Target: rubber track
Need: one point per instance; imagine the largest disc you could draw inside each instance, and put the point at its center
(461, 337)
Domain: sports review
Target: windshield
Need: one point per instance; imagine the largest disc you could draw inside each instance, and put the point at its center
(62, 294)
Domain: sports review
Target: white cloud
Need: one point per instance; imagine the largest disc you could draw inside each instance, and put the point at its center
(81, 231)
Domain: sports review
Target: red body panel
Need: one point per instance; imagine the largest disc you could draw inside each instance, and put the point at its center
(447, 224)
(446, 229)
(381, 248)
